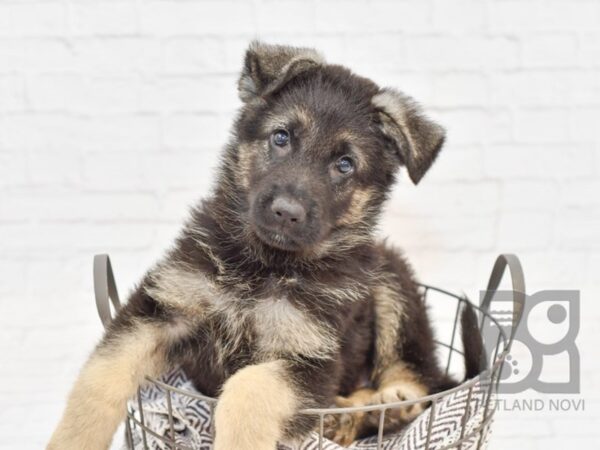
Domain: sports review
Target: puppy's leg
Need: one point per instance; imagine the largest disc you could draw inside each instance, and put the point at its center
(399, 383)
(255, 404)
(130, 350)
(395, 384)
(345, 428)
(259, 404)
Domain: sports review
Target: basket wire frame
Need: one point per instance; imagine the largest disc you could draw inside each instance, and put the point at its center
(485, 384)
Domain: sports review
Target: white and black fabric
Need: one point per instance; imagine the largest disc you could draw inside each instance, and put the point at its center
(192, 422)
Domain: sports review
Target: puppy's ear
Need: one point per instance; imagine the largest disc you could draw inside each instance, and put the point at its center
(268, 67)
(417, 139)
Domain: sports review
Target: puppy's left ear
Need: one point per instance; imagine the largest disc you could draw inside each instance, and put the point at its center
(267, 68)
(417, 139)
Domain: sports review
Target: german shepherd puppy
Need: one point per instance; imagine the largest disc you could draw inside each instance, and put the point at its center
(276, 296)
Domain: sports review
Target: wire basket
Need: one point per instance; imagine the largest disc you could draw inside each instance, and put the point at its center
(458, 418)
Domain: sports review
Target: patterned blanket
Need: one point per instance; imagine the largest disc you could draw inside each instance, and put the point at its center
(192, 422)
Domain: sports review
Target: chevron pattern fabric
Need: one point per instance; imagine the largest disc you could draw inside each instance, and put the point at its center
(191, 424)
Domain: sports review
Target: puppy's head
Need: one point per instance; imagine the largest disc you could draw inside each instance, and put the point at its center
(317, 149)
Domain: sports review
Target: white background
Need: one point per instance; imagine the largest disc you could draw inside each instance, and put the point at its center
(112, 114)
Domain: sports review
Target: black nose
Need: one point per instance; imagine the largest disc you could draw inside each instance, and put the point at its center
(287, 211)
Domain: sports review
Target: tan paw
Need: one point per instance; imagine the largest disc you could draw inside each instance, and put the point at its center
(343, 428)
(399, 393)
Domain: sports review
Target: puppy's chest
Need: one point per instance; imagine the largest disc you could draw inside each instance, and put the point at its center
(275, 326)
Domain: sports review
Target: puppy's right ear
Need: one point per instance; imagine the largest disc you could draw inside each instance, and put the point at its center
(267, 68)
(418, 139)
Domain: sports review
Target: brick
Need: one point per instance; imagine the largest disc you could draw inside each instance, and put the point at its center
(452, 269)
(12, 93)
(529, 195)
(191, 18)
(476, 126)
(584, 87)
(583, 123)
(184, 55)
(122, 133)
(52, 132)
(48, 54)
(445, 200)
(542, 125)
(589, 49)
(12, 54)
(13, 169)
(54, 167)
(550, 50)
(73, 92)
(462, 163)
(561, 269)
(511, 427)
(460, 89)
(560, 15)
(98, 18)
(461, 16)
(47, 18)
(118, 55)
(13, 276)
(525, 230)
(373, 17)
(193, 131)
(373, 54)
(593, 268)
(181, 170)
(106, 172)
(196, 94)
(56, 205)
(511, 16)
(581, 195)
(176, 203)
(416, 234)
(554, 162)
(539, 88)
(578, 232)
(436, 53)
(273, 16)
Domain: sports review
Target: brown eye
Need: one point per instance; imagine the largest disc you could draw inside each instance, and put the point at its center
(281, 138)
(345, 165)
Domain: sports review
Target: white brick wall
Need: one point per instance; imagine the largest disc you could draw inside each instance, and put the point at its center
(112, 114)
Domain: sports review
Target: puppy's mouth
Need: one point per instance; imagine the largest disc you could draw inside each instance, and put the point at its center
(277, 238)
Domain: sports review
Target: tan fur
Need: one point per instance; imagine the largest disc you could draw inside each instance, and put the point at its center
(251, 159)
(282, 329)
(111, 376)
(391, 102)
(399, 383)
(418, 138)
(358, 203)
(200, 237)
(357, 143)
(388, 311)
(253, 408)
(283, 120)
(186, 289)
(245, 158)
(345, 428)
(278, 62)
